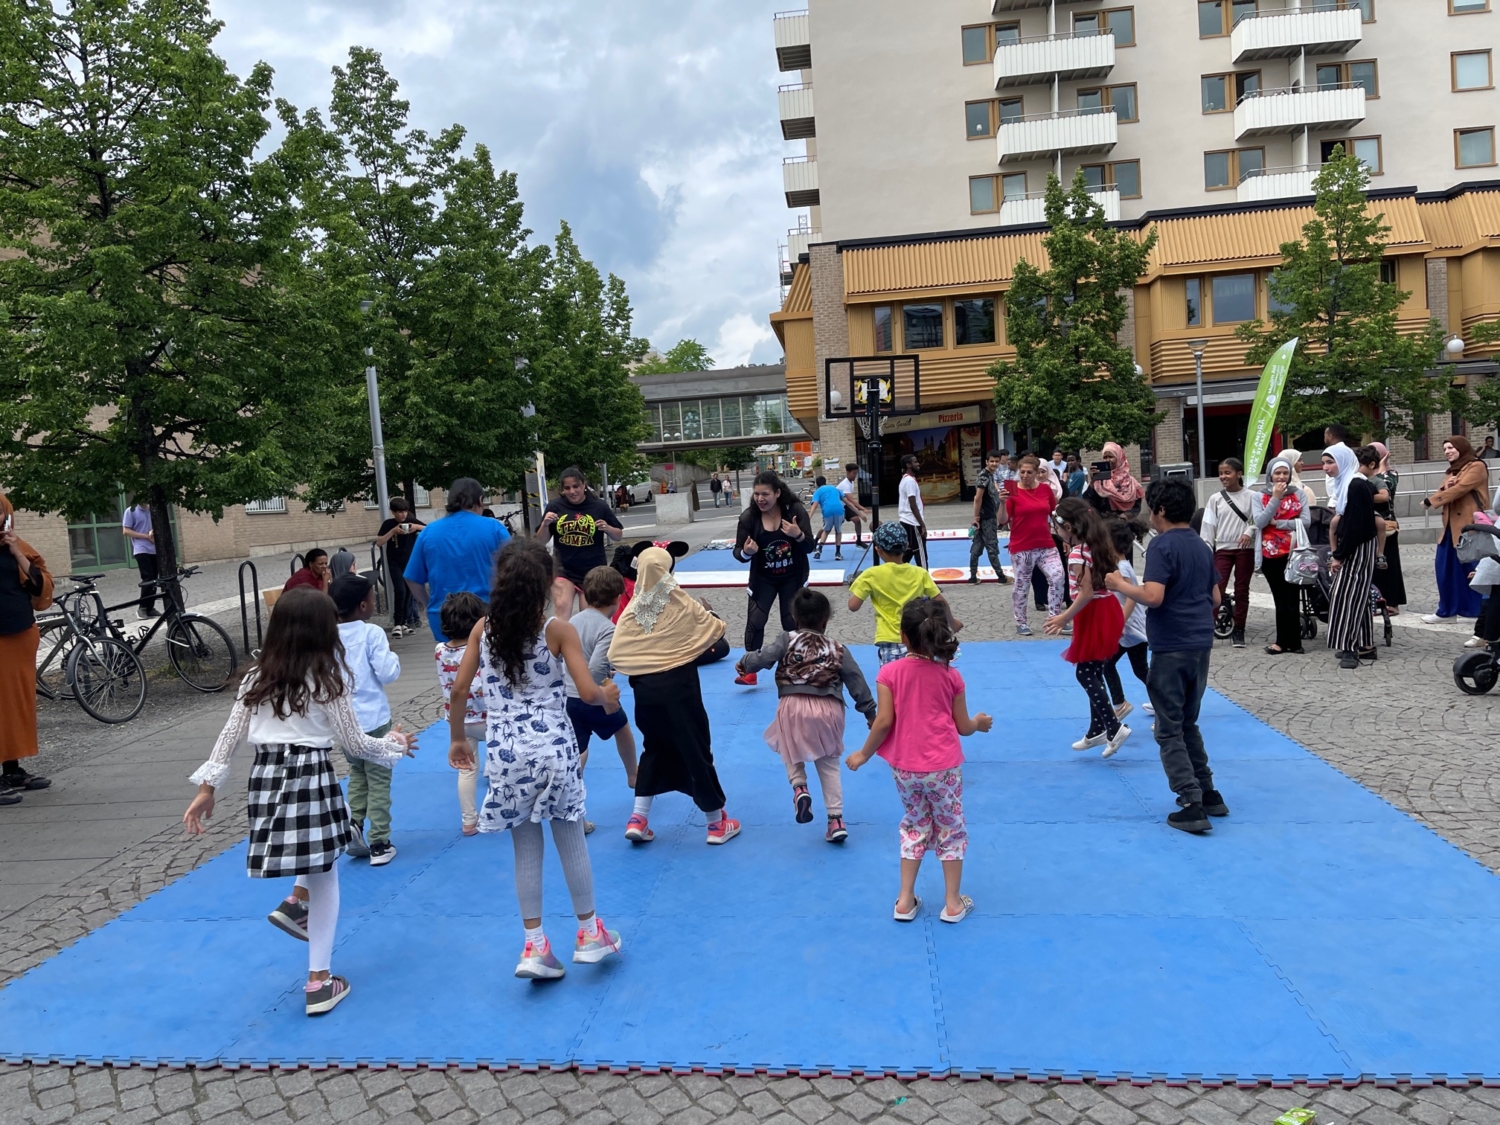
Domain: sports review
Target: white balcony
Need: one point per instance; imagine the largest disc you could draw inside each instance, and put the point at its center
(1071, 131)
(1289, 111)
(799, 176)
(1037, 58)
(795, 106)
(1032, 208)
(1277, 183)
(793, 42)
(998, 6)
(797, 241)
(1282, 34)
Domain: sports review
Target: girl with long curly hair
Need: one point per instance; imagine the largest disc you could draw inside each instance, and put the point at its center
(531, 755)
(1098, 621)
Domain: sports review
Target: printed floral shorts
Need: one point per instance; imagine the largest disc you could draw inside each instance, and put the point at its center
(934, 813)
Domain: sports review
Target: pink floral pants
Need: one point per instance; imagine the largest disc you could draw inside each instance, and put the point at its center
(934, 814)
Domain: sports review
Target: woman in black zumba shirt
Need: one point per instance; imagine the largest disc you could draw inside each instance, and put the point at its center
(775, 537)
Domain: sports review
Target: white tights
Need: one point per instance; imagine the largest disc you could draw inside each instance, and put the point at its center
(322, 916)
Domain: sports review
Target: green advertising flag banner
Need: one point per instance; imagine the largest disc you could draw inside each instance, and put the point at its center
(1263, 413)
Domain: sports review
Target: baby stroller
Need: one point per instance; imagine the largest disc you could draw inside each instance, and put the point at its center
(1317, 596)
(1475, 673)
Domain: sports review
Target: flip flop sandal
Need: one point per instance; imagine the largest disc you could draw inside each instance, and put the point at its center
(911, 915)
(968, 906)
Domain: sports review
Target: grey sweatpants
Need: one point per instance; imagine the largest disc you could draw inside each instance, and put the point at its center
(567, 837)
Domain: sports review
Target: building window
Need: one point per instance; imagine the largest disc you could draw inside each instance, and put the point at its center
(1234, 298)
(1013, 186)
(1121, 98)
(276, 505)
(1194, 302)
(883, 341)
(1464, 7)
(1119, 22)
(1474, 148)
(981, 40)
(1274, 306)
(981, 196)
(983, 119)
(1334, 76)
(974, 321)
(1218, 17)
(1472, 70)
(1364, 149)
(1228, 168)
(1214, 89)
(1388, 271)
(1124, 175)
(921, 326)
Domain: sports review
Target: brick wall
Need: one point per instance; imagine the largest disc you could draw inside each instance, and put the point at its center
(1437, 290)
(1169, 432)
(830, 341)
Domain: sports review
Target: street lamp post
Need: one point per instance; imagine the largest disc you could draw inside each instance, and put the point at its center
(377, 434)
(1197, 347)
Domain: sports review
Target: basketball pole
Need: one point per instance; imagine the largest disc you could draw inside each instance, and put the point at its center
(872, 452)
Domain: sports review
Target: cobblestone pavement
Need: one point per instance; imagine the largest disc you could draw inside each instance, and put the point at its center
(1401, 728)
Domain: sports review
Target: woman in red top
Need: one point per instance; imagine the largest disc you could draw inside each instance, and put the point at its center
(1286, 504)
(1029, 504)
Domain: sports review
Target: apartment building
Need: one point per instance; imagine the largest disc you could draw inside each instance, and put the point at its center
(926, 135)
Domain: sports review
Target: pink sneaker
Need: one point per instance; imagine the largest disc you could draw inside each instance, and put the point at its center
(749, 679)
(471, 830)
(637, 831)
(724, 831)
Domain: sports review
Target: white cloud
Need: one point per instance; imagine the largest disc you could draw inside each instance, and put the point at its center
(650, 127)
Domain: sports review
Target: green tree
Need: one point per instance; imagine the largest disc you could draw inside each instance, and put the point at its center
(434, 240)
(1071, 376)
(685, 355)
(1327, 291)
(160, 330)
(588, 411)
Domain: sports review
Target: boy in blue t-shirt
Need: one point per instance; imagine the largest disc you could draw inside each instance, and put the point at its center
(831, 501)
(1181, 594)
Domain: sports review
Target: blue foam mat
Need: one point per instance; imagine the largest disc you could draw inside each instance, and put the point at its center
(941, 553)
(1316, 932)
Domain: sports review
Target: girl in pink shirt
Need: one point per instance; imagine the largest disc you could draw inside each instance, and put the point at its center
(922, 712)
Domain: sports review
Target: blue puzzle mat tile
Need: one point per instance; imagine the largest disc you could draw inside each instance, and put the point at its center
(1291, 791)
(1067, 790)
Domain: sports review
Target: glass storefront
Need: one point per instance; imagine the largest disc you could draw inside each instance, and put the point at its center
(706, 420)
(97, 542)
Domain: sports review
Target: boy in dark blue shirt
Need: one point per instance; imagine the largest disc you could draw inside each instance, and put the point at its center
(1181, 594)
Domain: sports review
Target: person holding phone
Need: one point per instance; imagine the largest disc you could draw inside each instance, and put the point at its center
(397, 536)
(1112, 489)
(25, 587)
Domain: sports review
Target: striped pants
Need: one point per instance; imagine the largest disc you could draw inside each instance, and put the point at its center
(1350, 625)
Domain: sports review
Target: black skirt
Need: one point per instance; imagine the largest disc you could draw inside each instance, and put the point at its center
(676, 746)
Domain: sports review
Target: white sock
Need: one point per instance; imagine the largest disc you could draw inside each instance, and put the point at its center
(643, 806)
(590, 928)
(716, 818)
(536, 937)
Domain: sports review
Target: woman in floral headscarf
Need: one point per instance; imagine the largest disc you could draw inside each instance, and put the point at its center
(1119, 492)
(25, 586)
(1465, 490)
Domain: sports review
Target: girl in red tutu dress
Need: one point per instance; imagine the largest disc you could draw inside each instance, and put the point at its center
(1097, 619)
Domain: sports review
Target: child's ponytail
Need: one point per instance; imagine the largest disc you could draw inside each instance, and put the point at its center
(928, 629)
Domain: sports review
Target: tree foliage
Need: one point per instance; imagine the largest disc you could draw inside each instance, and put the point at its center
(1071, 377)
(160, 330)
(685, 355)
(1327, 290)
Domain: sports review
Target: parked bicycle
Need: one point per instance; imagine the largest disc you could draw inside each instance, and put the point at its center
(77, 661)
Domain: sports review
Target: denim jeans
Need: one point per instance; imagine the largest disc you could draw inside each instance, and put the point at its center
(1176, 684)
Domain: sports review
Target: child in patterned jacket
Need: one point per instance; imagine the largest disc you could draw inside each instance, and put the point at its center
(458, 616)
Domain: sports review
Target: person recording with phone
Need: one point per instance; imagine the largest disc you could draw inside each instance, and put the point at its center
(25, 587)
(397, 536)
(1111, 488)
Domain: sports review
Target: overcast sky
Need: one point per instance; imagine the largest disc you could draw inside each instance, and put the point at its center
(649, 125)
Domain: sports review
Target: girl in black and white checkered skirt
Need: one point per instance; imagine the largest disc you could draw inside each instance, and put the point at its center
(293, 707)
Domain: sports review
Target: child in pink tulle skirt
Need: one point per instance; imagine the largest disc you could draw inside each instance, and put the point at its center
(812, 674)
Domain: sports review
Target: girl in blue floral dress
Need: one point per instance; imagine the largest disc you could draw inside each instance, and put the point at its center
(531, 753)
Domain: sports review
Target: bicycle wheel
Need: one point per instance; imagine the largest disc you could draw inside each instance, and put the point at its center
(56, 643)
(201, 652)
(107, 679)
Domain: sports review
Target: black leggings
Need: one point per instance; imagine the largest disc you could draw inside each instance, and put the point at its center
(1137, 654)
(762, 594)
(1102, 718)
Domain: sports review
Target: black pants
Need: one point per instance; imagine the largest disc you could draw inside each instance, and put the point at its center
(762, 594)
(403, 612)
(676, 743)
(1488, 623)
(1176, 686)
(916, 545)
(986, 540)
(714, 653)
(1102, 718)
(1137, 654)
(1288, 600)
(149, 565)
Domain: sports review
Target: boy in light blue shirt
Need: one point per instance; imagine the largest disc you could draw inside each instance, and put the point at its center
(370, 665)
(831, 501)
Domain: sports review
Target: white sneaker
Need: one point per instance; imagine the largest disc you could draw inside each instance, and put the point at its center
(1124, 709)
(1475, 642)
(1150, 710)
(1116, 742)
(1434, 619)
(1089, 741)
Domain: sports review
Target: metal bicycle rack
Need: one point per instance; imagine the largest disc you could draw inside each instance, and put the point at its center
(245, 609)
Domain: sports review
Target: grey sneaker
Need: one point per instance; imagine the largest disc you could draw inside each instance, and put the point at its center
(357, 846)
(290, 918)
(539, 963)
(325, 995)
(381, 853)
(1023, 630)
(592, 950)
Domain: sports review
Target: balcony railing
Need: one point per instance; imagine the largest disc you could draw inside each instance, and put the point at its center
(1032, 207)
(1037, 58)
(998, 6)
(797, 241)
(1280, 33)
(1267, 112)
(793, 41)
(1289, 182)
(1039, 135)
(795, 108)
(799, 177)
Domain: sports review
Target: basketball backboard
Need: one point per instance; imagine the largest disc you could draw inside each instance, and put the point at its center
(849, 382)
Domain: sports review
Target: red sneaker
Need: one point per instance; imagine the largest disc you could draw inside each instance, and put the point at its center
(724, 831)
(749, 679)
(637, 831)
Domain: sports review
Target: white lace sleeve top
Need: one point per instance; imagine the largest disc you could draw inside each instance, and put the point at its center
(325, 724)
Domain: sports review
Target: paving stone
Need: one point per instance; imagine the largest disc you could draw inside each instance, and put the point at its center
(692, 1115)
(669, 1101)
(811, 1108)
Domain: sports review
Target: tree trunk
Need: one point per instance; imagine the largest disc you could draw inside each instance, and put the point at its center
(161, 534)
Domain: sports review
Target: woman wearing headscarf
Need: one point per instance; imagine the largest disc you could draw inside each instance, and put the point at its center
(1351, 632)
(1465, 490)
(657, 643)
(1390, 582)
(1118, 493)
(25, 587)
(1287, 505)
